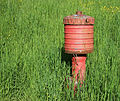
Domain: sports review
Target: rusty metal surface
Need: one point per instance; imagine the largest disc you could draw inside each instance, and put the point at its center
(78, 18)
(78, 39)
(79, 69)
(78, 52)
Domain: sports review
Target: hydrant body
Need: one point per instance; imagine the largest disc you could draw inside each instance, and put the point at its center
(78, 37)
(78, 31)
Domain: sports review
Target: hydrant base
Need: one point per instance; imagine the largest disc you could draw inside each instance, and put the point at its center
(78, 69)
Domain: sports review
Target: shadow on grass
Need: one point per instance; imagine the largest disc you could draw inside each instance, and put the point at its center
(66, 58)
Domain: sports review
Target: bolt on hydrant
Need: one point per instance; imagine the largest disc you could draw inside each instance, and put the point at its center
(78, 29)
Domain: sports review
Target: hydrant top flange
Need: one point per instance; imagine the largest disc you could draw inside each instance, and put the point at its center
(78, 18)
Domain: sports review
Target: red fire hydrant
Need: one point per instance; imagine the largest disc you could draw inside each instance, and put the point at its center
(79, 41)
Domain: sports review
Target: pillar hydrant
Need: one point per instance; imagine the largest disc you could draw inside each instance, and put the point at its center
(78, 29)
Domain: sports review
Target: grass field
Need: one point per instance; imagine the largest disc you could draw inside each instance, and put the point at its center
(33, 64)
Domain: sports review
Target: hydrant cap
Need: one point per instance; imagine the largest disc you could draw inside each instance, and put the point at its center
(78, 18)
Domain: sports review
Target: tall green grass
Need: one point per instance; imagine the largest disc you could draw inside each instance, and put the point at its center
(33, 64)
